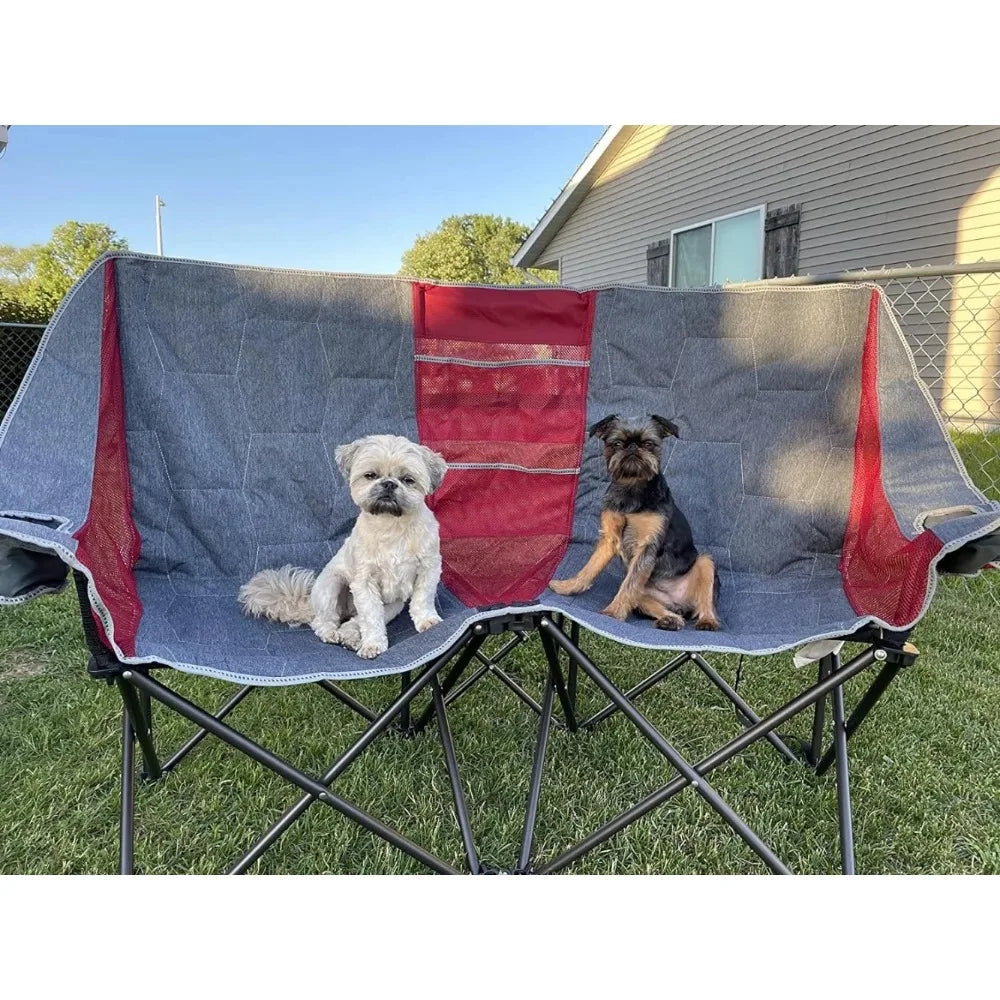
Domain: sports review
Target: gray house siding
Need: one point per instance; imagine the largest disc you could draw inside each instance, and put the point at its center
(868, 195)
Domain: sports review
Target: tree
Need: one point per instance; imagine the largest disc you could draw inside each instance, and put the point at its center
(15, 310)
(34, 279)
(17, 264)
(73, 247)
(470, 248)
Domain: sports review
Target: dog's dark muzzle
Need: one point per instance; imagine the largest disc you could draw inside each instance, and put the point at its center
(386, 503)
(633, 465)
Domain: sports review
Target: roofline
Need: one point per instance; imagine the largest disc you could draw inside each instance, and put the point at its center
(614, 137)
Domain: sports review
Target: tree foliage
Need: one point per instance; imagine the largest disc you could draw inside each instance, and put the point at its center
(34, 279)
(470, 248)
(15, 310)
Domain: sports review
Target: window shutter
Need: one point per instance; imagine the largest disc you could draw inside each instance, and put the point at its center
(658, 263)
(781, 242)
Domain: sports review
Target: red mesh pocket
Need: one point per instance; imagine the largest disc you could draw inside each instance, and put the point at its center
(107, 541)
(501, 389)
(502, 532)
(522, 404)
(884, 573)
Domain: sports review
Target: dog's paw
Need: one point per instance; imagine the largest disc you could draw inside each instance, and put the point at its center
(423, 624)
(327, 631)
(708, 624)
(670, 622)
(565, 588)
(350, 634)
(371, 648)
(615, 611)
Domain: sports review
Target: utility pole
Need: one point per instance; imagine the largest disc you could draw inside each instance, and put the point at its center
(159, 203)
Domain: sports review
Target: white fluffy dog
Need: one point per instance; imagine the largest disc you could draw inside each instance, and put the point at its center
(392, 556)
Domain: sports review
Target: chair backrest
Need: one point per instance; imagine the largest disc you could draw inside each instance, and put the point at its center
(239, 385)
(763, 385)
(186, 415)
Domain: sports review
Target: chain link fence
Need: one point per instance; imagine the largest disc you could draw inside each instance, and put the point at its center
(951, 318)
(18, 343)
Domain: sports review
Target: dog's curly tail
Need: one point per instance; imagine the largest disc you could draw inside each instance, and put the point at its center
(281, 595)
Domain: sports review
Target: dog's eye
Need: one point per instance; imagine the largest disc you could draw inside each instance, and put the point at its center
(409, 480)
(649, 446)
(618, 445)
(371, 475)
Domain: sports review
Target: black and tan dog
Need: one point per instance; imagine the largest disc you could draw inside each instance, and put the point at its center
(665, 576)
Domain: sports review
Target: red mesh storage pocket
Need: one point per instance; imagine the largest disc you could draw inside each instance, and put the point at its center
(503, 532)
(512, 406)
(884, 573)
(501, 391)
(107, 541)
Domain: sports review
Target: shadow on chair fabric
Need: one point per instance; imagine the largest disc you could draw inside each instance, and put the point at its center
(185, 416)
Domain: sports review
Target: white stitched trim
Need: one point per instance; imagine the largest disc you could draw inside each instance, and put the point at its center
(45, 520)
(518, 363)
(929, 519)
(514, 468)
(31, 594)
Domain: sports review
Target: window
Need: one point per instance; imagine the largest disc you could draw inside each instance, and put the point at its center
(730, 248)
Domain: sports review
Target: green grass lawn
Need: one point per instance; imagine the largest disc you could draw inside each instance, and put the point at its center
(925, 771)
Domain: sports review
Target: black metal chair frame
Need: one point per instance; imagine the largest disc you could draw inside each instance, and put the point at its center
(443, 678)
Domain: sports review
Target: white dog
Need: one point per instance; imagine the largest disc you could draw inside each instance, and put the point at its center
(392, 556)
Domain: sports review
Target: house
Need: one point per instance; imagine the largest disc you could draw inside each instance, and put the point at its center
(691, 205)
(688, 205)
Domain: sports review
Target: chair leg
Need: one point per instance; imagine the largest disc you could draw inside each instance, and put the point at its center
(461, 808)
(146, 707)
(878, 686)
(451, 678)
(687, 771)
(315, 790)
(466, 649)
(556, 675)
(151, 770)
(457, 693)
(126, 850)
(574, 637)
(537, 768)
(170, 764)
(644, 685)
(708, 764)
(346, 699)
(404, 712)
(491, 665)
(815, 747)
(748, 713)
(572, 673)
(845, 823)
(512, 685)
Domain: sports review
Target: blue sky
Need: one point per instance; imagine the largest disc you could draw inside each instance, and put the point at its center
(332, 198)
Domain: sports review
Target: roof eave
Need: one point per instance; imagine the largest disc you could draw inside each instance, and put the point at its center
(610, 142)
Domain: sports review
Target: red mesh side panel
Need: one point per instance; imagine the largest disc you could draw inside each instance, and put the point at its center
(108, 543)
(884, 573)
(503, 530)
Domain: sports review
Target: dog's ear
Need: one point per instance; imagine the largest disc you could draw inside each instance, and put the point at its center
(665, 428)
(436, 466)
(603, 426)
(345, 455)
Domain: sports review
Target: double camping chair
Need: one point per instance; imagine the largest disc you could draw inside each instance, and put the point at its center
(174, 435)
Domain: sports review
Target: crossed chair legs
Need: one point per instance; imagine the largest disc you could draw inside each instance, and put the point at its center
(444, 680)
